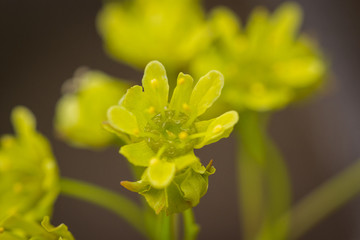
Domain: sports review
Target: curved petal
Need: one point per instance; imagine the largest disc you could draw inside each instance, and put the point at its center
(217, 128)
(123, 120)
(156, 85)
(206, 91)
(23, 120)
(138, 154)
(135, 101)
(160, 173)
(181, 96)
(185, 161)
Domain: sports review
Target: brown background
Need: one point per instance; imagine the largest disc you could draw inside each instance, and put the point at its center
(43, 42)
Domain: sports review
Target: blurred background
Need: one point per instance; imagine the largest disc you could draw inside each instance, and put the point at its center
(42, 43)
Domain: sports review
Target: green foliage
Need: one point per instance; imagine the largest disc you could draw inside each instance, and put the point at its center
(266, 64)
(82, 109)
(162, 135)
(28, 171)
(136, 32)
(18, 228)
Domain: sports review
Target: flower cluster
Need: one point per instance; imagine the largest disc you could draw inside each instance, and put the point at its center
(83, 107)
(174, 31)
(29, 179)
(162, 135)
(266, 65)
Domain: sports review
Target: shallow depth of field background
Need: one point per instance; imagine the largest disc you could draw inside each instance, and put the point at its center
(43, 42)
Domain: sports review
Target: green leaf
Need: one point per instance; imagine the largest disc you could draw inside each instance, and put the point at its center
(160, 173)
(123, 120)
(218, 128)
(156, 85)
(138, 154)
(205, 92)
(181, 96)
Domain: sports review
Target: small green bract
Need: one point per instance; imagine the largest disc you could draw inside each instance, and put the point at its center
(162, 134)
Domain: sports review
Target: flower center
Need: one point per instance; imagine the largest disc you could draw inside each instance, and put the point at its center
(172, 131)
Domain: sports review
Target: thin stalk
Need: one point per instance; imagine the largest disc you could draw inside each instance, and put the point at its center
(174, 226)
(107, 199)
(324, 200)
(191, 229)
(263, 182)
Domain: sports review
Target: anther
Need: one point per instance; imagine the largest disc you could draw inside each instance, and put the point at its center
(217, 128)
(154, 83)
(183, 135)
(185, 106)
(136, 132)
(171, 134)
(151, 110)
(2, 229)
(181, 81)
(153, 161)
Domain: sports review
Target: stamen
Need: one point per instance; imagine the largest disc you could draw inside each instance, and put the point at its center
(181, 81)
(153, 161)
(217, 128)
(186, 107)
(154, 83)
(136, 132)
(151, 110)
(171, 134)
(2, 229)
(183, 135)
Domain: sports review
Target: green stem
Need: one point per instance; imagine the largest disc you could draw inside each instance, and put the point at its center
(264, 189)
(324, 200)
(107, 199)
(191, 229)
(174, 225)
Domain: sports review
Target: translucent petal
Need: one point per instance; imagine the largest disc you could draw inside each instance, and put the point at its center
(218, 128)
(156, 85)
(123, 120)
(135, 101)
(138, 154)
(185, 161)
(23, 120)
(206, 91)
(160, 173)
(181, 96)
